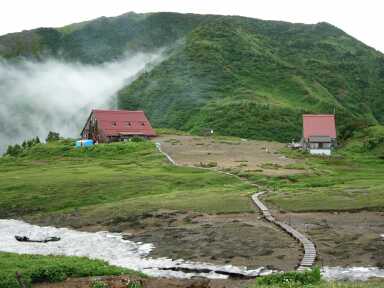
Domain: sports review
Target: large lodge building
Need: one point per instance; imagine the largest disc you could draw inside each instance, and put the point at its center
(104, 126)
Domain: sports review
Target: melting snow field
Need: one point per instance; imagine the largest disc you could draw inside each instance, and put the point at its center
(352, 273)
(112, 248)
(109, 247)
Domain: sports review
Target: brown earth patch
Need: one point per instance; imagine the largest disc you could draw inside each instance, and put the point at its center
(123, 281)
(240, 154)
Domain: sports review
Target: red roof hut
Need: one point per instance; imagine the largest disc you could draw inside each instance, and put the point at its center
(116, 125)
(319, 133)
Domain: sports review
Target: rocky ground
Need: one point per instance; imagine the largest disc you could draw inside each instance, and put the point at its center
(343, 239)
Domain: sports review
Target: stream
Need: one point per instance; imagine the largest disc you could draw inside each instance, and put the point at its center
(111, 248)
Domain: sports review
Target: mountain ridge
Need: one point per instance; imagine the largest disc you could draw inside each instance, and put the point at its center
(239, 76)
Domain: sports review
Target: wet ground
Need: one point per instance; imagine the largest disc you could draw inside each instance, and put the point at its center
(343, 239)
(238, 239)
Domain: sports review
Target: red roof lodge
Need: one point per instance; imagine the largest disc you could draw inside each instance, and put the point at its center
(116, 125)
(319, 133)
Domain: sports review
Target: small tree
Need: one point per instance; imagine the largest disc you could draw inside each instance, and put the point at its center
(52, 136)
(30, 143)
(17, 150)
(14, 150)
(9, 150)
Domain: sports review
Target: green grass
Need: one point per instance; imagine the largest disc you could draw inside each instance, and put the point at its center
(352, 179)
(108, 181)
(307, 279)
(327, 285)
(35, 269)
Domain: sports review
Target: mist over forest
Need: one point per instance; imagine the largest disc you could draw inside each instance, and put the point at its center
(55, 95)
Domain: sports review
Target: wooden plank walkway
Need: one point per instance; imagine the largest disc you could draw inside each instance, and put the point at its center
(309, 248)
(310, 253)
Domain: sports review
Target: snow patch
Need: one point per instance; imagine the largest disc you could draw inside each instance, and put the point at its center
(352, 273)
(112, 248)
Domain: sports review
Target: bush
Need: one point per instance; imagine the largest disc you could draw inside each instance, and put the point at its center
(134, 284)
(14, 150)
(52, 136)
(292, 279)
(208, 165)
(17, 149)
(37, 269)
(50, 274)
(137, 139)
(99, 284)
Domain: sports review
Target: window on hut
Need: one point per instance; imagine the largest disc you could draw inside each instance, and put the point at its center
(128, 123)
(114, 123)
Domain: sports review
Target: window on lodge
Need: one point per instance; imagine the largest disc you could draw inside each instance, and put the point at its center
(114, 123)
(128, 124)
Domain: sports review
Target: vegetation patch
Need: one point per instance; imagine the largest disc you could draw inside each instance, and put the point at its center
(104, 181)
(38, 269)
(350, 180)
(291, 279)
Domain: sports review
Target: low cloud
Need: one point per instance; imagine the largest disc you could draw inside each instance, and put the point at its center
(38, 97)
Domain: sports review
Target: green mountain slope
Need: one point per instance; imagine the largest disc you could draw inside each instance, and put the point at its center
(102, 39)
(236, 75)
(253, 78)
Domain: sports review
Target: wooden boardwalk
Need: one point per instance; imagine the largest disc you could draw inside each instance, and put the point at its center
(309, 248)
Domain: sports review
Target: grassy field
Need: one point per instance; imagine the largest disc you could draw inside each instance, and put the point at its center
(35, 269)
(352, 179)
(108, 181)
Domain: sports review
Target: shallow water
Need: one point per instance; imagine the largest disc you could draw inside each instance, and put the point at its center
(109, 247)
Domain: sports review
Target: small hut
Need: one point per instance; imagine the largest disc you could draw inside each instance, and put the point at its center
(319, 133)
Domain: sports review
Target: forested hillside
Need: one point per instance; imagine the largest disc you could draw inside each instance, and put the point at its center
(236, 75)
(253, 78)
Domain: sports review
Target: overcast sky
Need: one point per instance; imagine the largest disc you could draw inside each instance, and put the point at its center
(362, 19)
